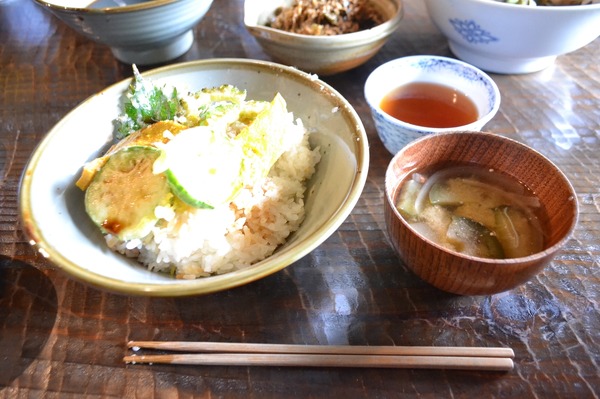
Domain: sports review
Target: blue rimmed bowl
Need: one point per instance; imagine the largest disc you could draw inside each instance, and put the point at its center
(510, 38)
(479, 87)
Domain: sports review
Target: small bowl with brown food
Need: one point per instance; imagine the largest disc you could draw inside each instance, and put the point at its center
(475, 213)
(323, 37)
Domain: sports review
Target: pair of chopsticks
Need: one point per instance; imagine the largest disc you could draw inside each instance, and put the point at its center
(241, 354)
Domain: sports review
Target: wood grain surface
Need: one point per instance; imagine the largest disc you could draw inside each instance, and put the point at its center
(62, 339)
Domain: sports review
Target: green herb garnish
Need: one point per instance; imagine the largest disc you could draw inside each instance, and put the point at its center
(146, 104)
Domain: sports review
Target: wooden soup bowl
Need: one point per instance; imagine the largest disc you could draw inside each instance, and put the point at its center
(461, 274)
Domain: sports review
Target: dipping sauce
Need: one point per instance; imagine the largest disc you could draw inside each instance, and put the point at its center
(475, 211)
(430, 105)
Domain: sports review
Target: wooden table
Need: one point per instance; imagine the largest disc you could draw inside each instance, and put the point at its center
(60, 338)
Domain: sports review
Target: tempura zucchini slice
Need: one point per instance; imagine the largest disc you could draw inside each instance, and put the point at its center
(124, 193)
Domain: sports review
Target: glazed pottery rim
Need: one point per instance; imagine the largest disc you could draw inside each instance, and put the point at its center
(106, 10)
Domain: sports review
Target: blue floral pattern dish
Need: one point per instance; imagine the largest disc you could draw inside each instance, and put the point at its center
(507, 38)
(471, 31)
(395, 134)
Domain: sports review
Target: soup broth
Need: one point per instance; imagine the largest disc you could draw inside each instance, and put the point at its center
(430, 105)
(475, 211)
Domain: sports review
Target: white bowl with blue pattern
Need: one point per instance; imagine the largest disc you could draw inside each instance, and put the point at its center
(479, 87)
(511, 38)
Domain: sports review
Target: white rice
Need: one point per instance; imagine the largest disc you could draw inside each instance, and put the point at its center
(200, 242)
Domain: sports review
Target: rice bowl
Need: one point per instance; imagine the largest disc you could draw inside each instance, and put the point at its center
(55, 221)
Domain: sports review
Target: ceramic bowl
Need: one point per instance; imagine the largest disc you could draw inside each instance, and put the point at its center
(52, 208)
(142, 32)
(460, 76)
(323, 55)
(468, 275)
(511, 38)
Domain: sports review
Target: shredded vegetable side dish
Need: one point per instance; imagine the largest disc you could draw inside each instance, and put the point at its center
(326, 17)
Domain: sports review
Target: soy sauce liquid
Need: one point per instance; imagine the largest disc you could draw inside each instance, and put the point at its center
(430, 105)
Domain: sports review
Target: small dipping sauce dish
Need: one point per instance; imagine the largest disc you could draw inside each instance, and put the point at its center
(411, 97)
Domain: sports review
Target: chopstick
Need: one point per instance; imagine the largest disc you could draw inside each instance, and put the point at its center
(242, 354)
(186, 346)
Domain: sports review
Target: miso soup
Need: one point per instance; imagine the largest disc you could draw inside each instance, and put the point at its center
(475, 211)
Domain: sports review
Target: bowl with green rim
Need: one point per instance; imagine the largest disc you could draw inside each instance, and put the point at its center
(52, 207)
